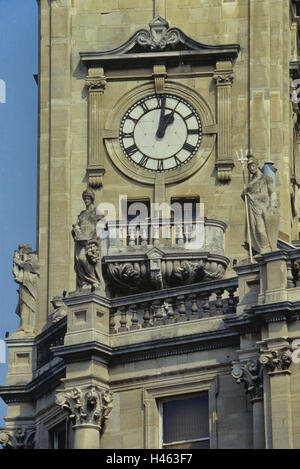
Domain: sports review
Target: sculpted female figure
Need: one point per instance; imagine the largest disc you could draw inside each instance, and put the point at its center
(87, 246)
(26, 274)
(262, 208)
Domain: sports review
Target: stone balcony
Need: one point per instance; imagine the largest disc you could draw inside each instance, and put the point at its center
(162, 254)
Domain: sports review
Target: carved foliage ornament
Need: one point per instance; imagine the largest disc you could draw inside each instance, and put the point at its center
(20, 438)
(87, 406)
(276, 360)
(251, 374)
(159, 36)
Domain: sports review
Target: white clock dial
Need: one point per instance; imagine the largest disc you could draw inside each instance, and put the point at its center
(160, 132)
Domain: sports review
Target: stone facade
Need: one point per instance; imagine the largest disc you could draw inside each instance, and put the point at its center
(175, 320)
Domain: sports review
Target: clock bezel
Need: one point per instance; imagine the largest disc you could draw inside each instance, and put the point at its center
(143, 101)
(137, 173)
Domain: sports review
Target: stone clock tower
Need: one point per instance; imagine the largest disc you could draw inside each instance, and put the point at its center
(167, 265)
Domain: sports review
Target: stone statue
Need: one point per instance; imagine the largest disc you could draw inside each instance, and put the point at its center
(60, 309)
(87, 246)
(26, 274)
(262, 210)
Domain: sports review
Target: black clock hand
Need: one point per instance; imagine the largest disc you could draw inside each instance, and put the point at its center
(160, 131)
(167, 120)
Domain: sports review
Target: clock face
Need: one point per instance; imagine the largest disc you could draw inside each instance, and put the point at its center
(160, 132)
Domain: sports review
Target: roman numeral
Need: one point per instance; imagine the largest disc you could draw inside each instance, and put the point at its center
(160, 165)
(127, 135)
(131, 150)
(161, 98)
(193, 131)
(188, 147)
(132, 118)
(144, 106)
(144, 161)
(177, 160)
(189, 116)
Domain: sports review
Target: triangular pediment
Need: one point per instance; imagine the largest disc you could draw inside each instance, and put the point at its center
(161, 41)
(155, 253)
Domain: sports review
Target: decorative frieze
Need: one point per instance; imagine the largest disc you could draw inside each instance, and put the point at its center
(251, 374)
(90, 405)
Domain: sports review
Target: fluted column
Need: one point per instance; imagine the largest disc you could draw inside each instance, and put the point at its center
(96, 84)
(277, 363)
(88, 408)
(251, 374)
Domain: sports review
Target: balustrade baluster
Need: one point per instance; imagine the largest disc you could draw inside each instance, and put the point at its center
(146, 316)
(206, 306)
(155, 234)
(290, 278)
(179, 234)
(112, 323)
(231, 300)
(158, 314)
(134, 318)
(132, 236)
(123, 320)
(194, 307)
(144, 236)
(219, 301)
(170, 312)
(181, 309)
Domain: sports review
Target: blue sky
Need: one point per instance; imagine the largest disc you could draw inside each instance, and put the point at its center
(18, 149)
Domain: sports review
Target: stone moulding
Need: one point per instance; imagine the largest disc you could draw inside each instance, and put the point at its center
(160, 41)
(138, 274)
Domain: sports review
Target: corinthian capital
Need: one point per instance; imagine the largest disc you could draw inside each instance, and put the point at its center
(276, 360)
(18, 438)
(96, 83)
(86, 405)
(251, 374)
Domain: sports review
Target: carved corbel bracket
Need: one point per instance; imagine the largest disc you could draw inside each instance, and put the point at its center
(19, 438)
(96, 83)
(251, 374)
(159, 75)
(90, 405)
(276, 360)
(224, 78)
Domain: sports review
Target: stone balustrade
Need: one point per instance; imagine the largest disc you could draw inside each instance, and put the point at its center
(168, 307)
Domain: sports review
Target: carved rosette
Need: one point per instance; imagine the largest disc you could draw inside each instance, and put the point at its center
(19, 438)
(276, 360)
(251, 374)
(87, 406)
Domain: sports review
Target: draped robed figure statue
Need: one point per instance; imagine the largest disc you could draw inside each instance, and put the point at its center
(88, 266)
(262, 221)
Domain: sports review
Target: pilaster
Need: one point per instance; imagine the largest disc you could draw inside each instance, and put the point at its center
(224, 78)
(96, 83)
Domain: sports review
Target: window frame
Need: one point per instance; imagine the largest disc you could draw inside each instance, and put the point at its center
(177, 398)
(195, 385)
